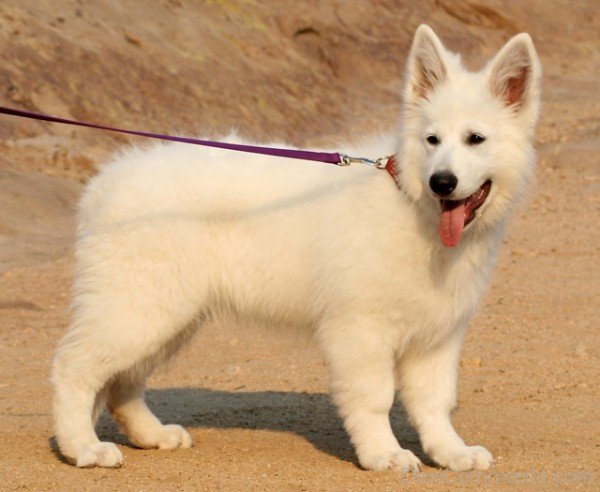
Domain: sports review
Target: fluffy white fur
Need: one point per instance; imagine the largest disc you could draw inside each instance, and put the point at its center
(171, 235)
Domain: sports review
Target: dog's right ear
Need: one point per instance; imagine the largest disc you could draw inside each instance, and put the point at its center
(426, 66)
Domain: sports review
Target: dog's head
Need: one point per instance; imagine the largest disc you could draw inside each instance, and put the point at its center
(467, 137)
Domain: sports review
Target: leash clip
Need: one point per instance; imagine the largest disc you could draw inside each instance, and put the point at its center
(346, 160)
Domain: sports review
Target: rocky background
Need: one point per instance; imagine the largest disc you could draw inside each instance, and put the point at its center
(309, 72)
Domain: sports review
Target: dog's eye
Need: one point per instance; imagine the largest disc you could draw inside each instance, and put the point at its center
(475, 139)
(432, 139)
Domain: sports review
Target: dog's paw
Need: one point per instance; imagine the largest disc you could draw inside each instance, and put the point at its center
(465, 458)
(401, 460)
(173, 436)
(162, 437)
(104, 454)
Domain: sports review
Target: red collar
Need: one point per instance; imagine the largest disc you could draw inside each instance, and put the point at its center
(391, 168)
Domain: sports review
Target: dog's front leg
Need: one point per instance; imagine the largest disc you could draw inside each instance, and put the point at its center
(361, 366)
(428, 391)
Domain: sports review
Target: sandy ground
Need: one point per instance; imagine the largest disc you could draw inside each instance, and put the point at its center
(257, 405)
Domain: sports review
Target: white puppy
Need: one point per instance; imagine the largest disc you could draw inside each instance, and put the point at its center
(384, 272)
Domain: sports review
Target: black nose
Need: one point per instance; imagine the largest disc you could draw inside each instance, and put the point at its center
(443, 183)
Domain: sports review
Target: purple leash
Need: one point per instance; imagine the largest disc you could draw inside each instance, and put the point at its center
(329, 158)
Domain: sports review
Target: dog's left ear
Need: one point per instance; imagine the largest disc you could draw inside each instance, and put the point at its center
(514, 75)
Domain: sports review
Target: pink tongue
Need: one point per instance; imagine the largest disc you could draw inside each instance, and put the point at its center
(452, 223)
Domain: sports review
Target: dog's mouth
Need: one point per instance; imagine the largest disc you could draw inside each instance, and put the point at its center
(457, 214)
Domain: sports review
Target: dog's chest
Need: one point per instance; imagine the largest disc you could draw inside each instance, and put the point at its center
(441, 297)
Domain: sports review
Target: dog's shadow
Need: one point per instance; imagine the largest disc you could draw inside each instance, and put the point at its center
(310, 415)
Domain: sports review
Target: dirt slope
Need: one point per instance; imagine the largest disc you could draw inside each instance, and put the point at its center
(309, 72)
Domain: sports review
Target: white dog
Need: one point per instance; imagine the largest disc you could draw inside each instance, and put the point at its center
(384, 272)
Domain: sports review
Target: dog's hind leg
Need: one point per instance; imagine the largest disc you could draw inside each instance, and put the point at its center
(79, 397)
(88, 369)
(125, 319)
(127, 406)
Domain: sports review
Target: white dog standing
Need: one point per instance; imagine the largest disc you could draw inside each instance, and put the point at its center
(385, 274)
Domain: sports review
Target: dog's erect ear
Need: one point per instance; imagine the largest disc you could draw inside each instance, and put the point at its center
(514, 74)
(426, 65)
